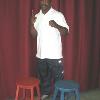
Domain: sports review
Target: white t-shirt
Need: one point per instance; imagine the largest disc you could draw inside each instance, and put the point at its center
(49, 38)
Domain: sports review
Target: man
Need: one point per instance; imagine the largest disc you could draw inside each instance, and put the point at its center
(48, 25)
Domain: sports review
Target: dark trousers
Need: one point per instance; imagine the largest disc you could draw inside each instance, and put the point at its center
(49, 71)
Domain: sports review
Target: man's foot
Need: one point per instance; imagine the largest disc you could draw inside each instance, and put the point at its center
(44, 97)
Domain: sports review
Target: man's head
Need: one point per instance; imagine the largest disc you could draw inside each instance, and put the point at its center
(45, 5)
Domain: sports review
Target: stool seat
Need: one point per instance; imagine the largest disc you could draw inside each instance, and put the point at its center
(66, 86)
(28, 83)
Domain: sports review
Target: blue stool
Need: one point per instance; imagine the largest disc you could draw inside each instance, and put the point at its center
(66, 86)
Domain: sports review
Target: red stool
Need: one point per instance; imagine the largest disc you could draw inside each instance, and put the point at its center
(28, 83)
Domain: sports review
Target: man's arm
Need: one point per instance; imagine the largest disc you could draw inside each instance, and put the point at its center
(32, 29)
(62, 30)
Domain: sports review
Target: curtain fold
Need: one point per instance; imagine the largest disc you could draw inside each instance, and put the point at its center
(81, 48)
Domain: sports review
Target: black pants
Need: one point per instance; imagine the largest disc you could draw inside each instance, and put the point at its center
(49, 70)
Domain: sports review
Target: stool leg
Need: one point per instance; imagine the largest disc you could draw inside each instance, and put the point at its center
(32, 94)
(38, 92)
(17, 91)
(77, 94)
(62, 95)
(55, 94)
(24, 94)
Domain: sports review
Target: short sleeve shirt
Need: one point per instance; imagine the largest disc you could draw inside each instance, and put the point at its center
(49, 38)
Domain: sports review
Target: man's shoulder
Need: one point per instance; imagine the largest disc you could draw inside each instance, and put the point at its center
(37, 14)
(57, 12)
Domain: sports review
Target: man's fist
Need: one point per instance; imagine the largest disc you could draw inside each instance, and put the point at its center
(52, 23)
(33, 18)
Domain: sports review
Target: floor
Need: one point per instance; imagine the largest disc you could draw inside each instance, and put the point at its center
(89, 95)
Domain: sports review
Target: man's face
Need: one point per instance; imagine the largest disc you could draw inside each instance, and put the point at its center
(45, 4)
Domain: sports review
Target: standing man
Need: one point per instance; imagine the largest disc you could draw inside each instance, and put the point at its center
(48, 25)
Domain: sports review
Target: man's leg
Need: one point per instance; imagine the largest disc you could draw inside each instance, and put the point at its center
(58, 70)
(58, 73)
(44, 75)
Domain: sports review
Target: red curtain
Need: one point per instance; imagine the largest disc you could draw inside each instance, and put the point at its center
(81, 48)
